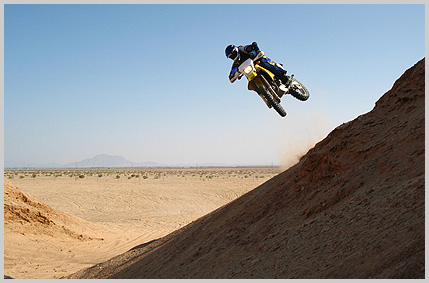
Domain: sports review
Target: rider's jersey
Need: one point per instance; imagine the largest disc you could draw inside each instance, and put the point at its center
(245, 52)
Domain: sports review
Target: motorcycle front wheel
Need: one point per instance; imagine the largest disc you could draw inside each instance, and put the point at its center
(298, 90)
(264, 92)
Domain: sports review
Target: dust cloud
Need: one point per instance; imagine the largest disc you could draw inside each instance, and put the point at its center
(301, 135)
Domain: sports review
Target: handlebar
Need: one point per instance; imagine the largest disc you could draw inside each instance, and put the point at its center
(259, 55)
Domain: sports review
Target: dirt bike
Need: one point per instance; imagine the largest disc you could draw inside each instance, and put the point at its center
(268, 86)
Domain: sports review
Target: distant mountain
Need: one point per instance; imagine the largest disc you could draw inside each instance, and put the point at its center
(102, 160)
(105, 160)
(112, 161)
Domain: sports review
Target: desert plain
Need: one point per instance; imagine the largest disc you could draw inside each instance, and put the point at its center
(118, 209)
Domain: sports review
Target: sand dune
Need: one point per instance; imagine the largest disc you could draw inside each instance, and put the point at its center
(23, 213)
(41, 242)
(353, 207)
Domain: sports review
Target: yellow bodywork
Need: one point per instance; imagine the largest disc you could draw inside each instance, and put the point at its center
(258, 81)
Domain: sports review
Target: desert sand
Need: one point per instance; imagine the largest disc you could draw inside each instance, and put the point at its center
(113, 209)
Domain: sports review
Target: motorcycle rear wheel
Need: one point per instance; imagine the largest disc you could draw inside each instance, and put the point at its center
(298, 90)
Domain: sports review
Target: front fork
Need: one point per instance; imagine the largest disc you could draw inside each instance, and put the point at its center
(256, 89)
(263, 82)
(269, 88)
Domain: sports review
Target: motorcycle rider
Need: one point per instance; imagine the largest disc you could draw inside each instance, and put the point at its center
(239, 54)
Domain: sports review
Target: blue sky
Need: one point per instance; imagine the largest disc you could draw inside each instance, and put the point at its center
(150, 82)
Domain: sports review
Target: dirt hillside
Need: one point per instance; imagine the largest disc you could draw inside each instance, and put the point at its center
(23, 213)
(352, 207)
(40, 241)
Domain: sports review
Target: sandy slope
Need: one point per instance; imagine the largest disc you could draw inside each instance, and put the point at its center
(353, 207)
(43, 240)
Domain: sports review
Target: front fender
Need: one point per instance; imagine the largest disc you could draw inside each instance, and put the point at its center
(262, 69)
(257, 79)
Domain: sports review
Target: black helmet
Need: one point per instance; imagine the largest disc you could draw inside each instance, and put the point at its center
(231, 52)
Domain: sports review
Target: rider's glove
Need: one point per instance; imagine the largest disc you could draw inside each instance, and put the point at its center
(252, 48)
(255, 46)
(233, 75)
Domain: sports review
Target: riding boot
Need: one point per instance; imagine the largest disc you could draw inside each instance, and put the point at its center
(284, 79)
(285, 83)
